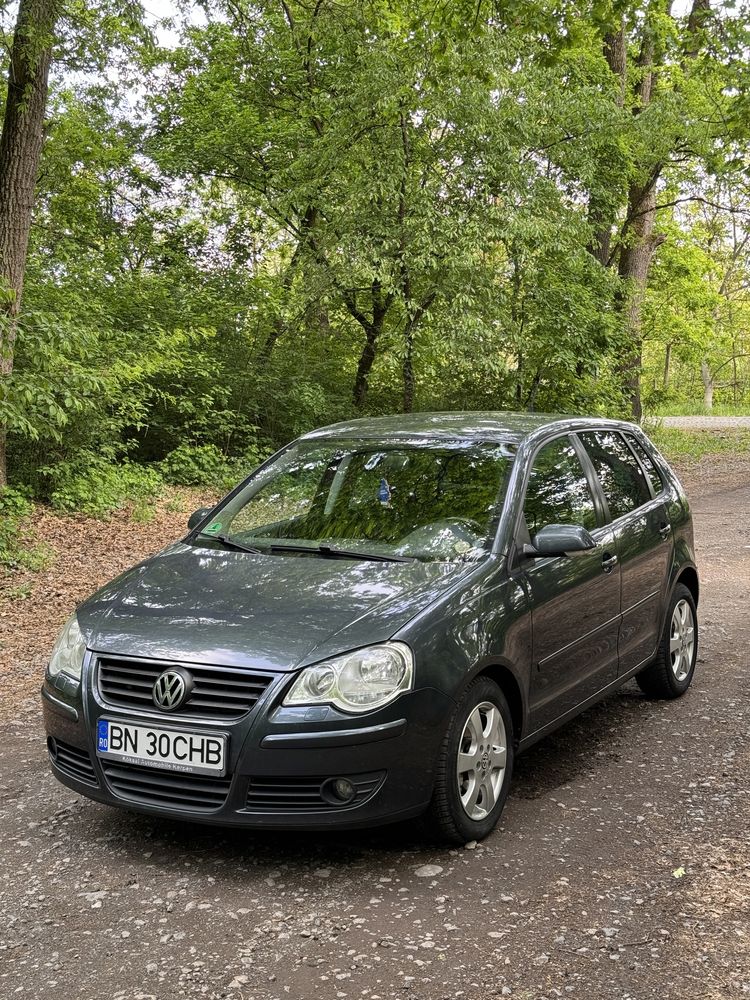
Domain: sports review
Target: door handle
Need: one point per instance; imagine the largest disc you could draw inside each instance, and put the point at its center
(665, 530)
(608, 563)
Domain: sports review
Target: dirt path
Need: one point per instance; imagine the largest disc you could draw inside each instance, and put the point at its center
(622, 869)
(706, 422)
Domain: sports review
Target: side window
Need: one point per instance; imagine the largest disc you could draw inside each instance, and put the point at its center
(623, 482)
(647, 462)
(558, 491)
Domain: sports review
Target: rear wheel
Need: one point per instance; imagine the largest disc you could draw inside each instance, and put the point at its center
(670, 673)
(474, 766)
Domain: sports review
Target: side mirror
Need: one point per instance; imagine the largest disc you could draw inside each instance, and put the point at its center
(197, 516)
(560, 540)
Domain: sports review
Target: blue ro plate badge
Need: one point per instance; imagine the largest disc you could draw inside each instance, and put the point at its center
(169, 749)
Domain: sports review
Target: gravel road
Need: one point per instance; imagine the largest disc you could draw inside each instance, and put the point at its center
(706, 423)
(622, 869)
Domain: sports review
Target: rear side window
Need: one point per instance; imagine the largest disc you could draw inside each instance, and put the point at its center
(623, 482)
(558, 491)
(647, 462)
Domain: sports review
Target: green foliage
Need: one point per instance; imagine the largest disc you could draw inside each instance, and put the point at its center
(92, 485)
(17, 548)
(205, 465)
(694, 409)
(15, 504)
(304, 212)
(689, 446)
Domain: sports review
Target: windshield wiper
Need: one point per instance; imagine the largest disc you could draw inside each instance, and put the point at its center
(331, 552)
(230, 543)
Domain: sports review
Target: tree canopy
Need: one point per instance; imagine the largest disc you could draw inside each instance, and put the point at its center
(303, 210)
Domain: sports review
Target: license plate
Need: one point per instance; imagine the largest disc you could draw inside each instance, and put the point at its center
(170, 749)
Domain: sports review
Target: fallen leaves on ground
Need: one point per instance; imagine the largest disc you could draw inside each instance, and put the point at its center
(85, 553)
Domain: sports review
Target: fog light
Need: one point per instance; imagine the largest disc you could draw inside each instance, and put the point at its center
(343, 789)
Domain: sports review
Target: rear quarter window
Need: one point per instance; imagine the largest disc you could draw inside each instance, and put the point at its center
(647, 462)
(622, 479)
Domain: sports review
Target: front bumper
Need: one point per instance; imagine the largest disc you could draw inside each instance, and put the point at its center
(280, 762)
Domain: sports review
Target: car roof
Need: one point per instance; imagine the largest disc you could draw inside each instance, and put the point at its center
(497, 425)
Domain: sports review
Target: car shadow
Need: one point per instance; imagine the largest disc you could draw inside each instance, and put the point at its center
(574, 749)
(571, 752)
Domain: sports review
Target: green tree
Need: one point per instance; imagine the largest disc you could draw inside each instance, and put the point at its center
(407, 160)
(20, 152)
(675, 81)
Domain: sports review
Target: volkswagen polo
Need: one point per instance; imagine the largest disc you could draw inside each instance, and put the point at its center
(376, 621)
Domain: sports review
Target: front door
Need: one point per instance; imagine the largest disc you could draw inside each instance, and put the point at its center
(575, 600)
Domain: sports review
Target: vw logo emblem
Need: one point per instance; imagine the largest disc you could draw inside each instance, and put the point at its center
(172, 689)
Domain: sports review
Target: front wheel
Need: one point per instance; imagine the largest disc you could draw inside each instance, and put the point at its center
(474, 766)
(670, 673)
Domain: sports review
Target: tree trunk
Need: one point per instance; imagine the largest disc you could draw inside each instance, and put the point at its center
(708, 386)
(667, 362)
(364, 367)
(635, 263)
(637, 242)
(408, 371)
(279, 326)
(372, 328)
(20, 152)
(518, 392)
(408, 366)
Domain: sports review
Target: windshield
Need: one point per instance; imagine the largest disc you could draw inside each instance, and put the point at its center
(416, 499)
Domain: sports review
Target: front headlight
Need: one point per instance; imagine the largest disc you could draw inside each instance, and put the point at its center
(68, 651)
(356, 682)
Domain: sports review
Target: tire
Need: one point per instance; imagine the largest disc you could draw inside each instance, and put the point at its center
(671, 671)
(485, 781)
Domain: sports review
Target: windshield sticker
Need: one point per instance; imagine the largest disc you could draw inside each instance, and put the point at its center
(384, 493)
(213, 529)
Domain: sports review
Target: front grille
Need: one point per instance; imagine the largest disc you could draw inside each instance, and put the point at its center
(218, 692)
(298, 794)
(170, 789)
(74, 762)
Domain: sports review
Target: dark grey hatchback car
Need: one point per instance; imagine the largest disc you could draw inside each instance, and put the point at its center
(376, 621)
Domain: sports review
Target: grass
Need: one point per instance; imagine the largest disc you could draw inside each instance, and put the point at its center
(177, 503)
(699, 410)
(143, 512)
(681, 445)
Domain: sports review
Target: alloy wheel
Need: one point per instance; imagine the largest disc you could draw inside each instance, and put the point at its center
(681, 640)
(482, 759)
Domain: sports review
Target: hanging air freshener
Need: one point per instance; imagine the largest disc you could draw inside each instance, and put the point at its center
(384, 493)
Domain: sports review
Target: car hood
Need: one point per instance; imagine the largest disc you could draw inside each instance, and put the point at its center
(278, 612)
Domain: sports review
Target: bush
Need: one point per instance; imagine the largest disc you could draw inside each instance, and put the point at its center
(14, 504)
(89, 484)
(17, 550)
(194, 465)
(206, 465)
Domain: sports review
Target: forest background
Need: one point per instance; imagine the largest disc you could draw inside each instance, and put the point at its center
(226, 223)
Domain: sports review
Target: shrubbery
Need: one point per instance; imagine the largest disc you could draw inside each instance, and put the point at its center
(206, 465)
(90, 484)
(16, 548)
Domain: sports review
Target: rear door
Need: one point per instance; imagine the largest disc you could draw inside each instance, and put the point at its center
(643, 537)
(575, 600)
